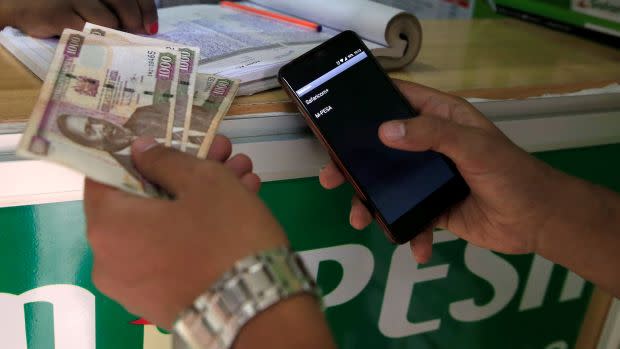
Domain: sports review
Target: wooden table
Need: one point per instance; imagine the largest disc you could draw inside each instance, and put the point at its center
(500, 58)
(494, 58)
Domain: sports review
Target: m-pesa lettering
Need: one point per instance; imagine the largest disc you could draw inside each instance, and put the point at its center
(323, 111)
(74, 307)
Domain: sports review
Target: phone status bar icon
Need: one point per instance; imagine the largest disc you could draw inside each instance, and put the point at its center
(347, 57)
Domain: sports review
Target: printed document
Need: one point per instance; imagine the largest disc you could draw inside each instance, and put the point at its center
(252, 48)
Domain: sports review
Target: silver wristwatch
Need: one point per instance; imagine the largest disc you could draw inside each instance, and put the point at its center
(254, 284)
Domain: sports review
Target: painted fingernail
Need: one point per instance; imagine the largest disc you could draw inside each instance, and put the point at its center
(143, 144)
(393, 130)
(153, 28)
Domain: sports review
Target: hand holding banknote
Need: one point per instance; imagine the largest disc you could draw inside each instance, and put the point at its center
(106, 88)
(47, 18)
(186, 244)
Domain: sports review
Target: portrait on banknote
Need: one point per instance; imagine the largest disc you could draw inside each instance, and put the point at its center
(106, 88)
(115, 138)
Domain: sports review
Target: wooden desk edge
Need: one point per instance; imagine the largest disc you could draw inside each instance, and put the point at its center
(594, 320)
(267, 105)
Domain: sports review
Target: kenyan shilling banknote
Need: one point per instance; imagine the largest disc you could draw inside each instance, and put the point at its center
(98, 96)
(212, 99)
(185, 69)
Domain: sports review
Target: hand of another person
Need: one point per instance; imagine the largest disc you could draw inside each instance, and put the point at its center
(47, 18)
(156, 256)
(510, 190)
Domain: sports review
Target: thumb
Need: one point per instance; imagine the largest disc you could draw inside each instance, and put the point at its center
(462, 144)
(166, 167)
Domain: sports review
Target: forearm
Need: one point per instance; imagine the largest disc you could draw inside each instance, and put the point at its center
(294, 323)
(584, 232)
(6, 14)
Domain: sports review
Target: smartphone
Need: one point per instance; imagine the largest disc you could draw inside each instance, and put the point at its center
(344, 96)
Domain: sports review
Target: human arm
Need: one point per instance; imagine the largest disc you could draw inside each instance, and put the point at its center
(518, 204)
(47, 18)
(184, 245)
(583, 232)
(6, 15)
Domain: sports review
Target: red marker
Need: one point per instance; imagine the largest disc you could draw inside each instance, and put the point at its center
(273, 15)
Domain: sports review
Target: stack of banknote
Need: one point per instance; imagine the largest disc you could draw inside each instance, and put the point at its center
(105, 88)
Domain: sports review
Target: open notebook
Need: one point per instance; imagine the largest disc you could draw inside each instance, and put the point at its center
(252, 48)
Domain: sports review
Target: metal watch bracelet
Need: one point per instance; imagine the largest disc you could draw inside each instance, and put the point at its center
(254, 284)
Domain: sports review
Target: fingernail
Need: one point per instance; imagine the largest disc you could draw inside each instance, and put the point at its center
(393, 130)
(143, 144)
(153, 28)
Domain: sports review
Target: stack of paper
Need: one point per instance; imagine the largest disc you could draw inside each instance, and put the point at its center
(251, 48)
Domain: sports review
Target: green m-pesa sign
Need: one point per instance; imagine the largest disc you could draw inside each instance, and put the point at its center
(376, 295)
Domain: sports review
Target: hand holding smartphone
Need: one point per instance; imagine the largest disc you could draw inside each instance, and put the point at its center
(344, 96)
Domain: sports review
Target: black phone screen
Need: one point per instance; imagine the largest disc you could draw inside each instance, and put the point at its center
(348, 96)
